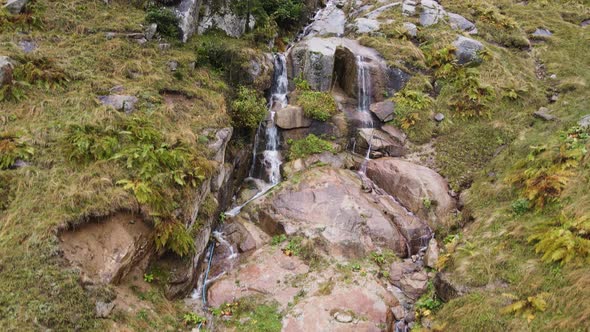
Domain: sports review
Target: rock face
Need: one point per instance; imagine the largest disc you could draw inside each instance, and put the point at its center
(119, 102)
(291, 117)
(383, 110)
(329, 205)
(15, 6)
(445, 289)
(330, 22)
(6, 68)
(467, 49)
(106, 251)
(420, 189)
(381, 143)
(223, 18)
(187, 12)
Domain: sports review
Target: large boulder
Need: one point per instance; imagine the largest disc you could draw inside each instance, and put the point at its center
(431, 12)
(291, 117)
(459, 22)
(330, 205)
(467, 50)
(106, 250)
(6, 68)
(381, 143)
(418, 188)
(187, 12)
(15, 6)
(383, 110)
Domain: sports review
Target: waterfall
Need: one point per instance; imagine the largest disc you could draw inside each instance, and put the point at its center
(364, 104)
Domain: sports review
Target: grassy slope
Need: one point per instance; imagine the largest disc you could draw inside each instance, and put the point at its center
(36, 291)
(494, 255)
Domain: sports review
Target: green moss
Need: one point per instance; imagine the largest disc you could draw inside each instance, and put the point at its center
(317, 105)
(307, 146)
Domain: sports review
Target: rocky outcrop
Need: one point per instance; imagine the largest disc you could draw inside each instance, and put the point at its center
(467, 50)
(16, 6)
(187, 12)
(119, 102)
(383, 110)
(106, 250)
(418, 188)
(381, 143)
(291, 117)
(6, 68)
(222, 17)
(330, 22)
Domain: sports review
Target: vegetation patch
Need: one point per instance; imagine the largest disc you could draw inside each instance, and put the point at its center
(248, 108)
(317, 105)
(308, 146)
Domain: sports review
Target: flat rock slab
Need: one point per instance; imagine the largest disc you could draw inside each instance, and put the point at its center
(119, 102)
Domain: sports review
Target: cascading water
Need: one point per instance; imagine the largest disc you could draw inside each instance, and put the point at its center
(364, 104)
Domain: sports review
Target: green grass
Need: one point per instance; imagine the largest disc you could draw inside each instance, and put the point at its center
(251, 314)
(308, 146)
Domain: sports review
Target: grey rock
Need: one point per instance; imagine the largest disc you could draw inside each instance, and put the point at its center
(395, 132)
(409, 7)
(187, 12)
(411, 29)
(150, 31)
(103, 310)
(119, 102)
(439, 117)
(431, 255)
(584, 121)
(431, 13)
(545, 114)
(15, 6)
(343, 317)
(292, 117)
(554, 98)
(381, 143)
(459, 22)
(585, 23)
(375, 13)
(173, 65)
(366, 25)
(27, 46)
(383, 110)
(396, 79)
(19, 163)
(541, 33)
(398, 312)
(330, 22)
(164, 46)
(6, 68)
(141, 41)
(445, 289)
(467, 50)
(110, 35)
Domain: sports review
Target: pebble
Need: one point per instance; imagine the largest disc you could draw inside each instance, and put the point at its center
(343, 317)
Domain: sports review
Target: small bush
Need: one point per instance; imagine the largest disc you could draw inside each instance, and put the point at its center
(307, 146)
(249, 108)
(317, 105)
(165, 19)
(13, 148)
(520, 206)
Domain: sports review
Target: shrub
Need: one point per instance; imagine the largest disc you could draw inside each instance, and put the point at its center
(411, 106)
(165, 19)
(317, 105)
(307, 146)
(520, 206)
(12, 148)
(249, 108)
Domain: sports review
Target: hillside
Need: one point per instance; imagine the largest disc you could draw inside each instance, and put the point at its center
(294, 165)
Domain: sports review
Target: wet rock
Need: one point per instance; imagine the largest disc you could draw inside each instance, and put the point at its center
(467, 50)
(439, 117)
(584, 121)
(119, 102)
(459, 22)
(218, 143)
(16, 6)
(418, 188)
(545, 114)
(103, 310)
(259, 70)
(414, 285)
(6, 68)
(431, 254)
(411, 29)
(398, 312)
(291, 117)
(329, 205)
(431, 12)
(334, 160)
(396, 80)
(445, 289)
(383, 110)
(379, 141)
(396, 133)
(541, 33)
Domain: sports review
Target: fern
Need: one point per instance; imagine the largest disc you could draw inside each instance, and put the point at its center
(564, 241)
(527, 307)
(12, 148)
